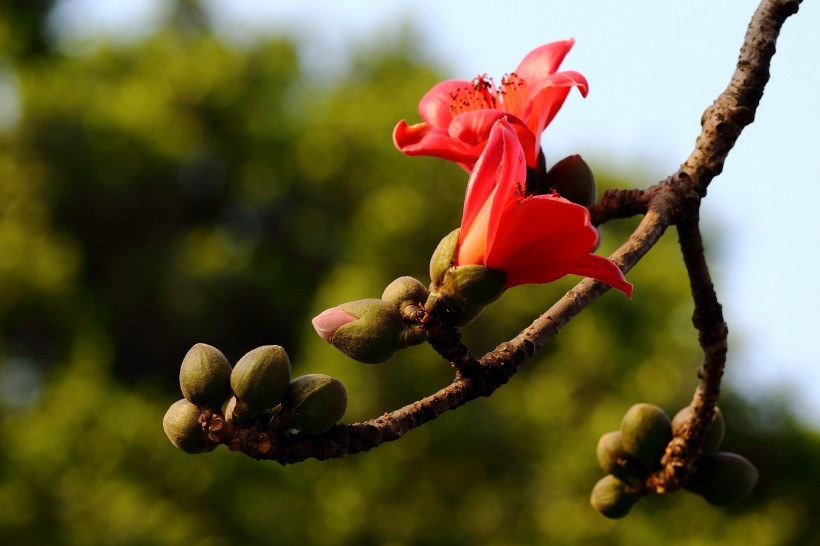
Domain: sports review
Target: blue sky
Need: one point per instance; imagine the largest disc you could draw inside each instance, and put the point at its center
(653, 68)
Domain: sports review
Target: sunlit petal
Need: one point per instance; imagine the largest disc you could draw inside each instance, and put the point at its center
(543, 61)
(546, 99)
(436, 106)
(604, 270)
(540, 240)
(485, 175)
(420, 139)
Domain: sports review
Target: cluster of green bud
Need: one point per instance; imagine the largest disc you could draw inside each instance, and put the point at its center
(720, 477)
(259, 382)
(312, 404)
(629, 455)
(632, 453)
(371, 330)
(460, 292)
(260, 392)
(204, 379)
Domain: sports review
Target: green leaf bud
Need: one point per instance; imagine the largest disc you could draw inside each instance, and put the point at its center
(204, 376)
(181, 425)
(614, 460)
(405, 291)
(612, 497)
(313, 404)
(715, 435)
(261, 377)
(573, 180)
(723, 478)
(645, 432)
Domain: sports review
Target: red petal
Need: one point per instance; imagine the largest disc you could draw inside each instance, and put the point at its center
(421, 139)
(485, 175)
(510, 173)
(604, 270)
(543, 61)
(540, 239)
(547, 98)
(474, 127)
(435, 105)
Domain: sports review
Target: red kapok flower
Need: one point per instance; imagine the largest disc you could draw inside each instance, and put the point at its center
(458, 115)
(534, 239)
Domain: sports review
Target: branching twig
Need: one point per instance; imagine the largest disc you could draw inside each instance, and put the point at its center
(684, 449)
(674, 200)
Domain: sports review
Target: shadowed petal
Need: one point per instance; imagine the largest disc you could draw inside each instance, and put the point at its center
(473, 128)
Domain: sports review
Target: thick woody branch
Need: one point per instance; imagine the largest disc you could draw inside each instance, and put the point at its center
(674, 200)
(735, 108)
(685, 448)
(620, 204)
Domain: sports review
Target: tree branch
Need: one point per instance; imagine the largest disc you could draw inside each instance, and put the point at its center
(684, 449)
(674, 200)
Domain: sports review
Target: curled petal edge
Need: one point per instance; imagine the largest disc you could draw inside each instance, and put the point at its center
(420, 139)
(604, 270)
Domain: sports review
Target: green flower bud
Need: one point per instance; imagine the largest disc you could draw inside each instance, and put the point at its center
(313, 404)
(461, 291)
(715, 435)
(181, 425)
(472, 286)
(261, 377)
(368, 330)
(723, 478)
(443, 257)
(405, 291)
(614, 460)
(239, 413)
(645, 432)
(204, 376)
(440, 305)
(612, 497)
(573, 180)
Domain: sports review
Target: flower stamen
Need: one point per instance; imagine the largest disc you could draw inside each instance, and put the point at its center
(512, 94)
(481, 95)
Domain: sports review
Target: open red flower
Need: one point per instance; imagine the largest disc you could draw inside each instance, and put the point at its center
(534, 239)
(458, 115)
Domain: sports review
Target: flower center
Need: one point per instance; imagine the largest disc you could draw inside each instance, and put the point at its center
(512, 94)
(481, 95)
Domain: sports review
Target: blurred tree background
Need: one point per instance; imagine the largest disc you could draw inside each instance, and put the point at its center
(179, 190)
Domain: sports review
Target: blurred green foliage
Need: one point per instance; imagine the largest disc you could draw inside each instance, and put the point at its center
(179, 190)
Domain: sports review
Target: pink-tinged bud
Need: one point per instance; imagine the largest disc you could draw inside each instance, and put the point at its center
(331, 320)
(368, 330)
